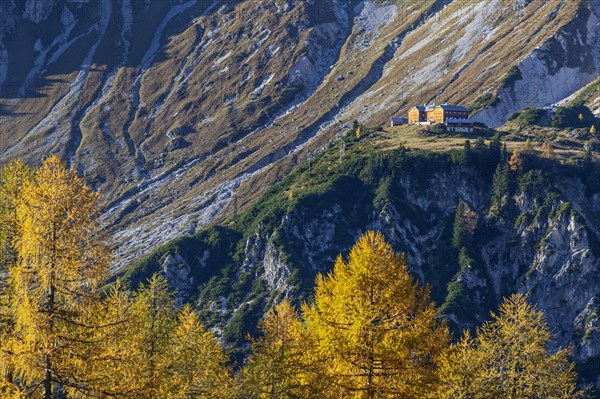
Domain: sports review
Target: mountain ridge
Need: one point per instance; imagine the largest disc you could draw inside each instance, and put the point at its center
(175, 109)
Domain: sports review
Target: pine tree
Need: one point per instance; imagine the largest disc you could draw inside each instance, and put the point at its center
(500, 188)
(59, 264)
(464, 260)
(588, 161)
(496, 143)
(459, 231)
(467, 152)
(376, 327)
(480, 144)
(508, 359)
(496, 147)
(504, 153)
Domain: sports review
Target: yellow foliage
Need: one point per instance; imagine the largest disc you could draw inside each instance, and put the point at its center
(58, 336)
(458, 382)
(196, 363)
(152, 321)
(548, 150)
(376, 328)
(372, 331)
(283, 362)
(59, 264)
(515, 162)
(150, 350)
(10, 391)
(13, 177)
(593, 130)
(528, 147)
(111, 371)
(508, 359)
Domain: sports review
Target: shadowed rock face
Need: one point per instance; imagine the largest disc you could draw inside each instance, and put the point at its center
(544, 244)
(169, 107)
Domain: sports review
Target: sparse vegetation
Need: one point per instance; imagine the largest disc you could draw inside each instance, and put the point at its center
(500, 189)
(586, 93)
(528, 116)
(486, 100)
(370, 169)
(438, 128)
(513, 74)
(573, 117)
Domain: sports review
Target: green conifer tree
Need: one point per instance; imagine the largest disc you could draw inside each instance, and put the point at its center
(500, 189)
(459, 231)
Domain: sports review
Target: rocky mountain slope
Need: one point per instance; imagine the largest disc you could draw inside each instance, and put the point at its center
(178, 110)
(537, 234)
(589, 96)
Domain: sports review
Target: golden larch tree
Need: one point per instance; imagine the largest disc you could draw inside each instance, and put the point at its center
(548, 150)
(528, 147)
(12, 179)
(509, 358)
(376, 327)
(283, 363)
(197, 365)
(460, 370)
(516, 161)
(152, 323)
(161, 352)
(59, 263)
(113, 359)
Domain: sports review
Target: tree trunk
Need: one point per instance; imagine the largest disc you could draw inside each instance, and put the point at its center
(51, 294)
(48, 379)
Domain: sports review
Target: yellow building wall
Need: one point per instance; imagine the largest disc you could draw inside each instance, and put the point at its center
(413, 116)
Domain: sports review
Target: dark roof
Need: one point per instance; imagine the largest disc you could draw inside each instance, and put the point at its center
(455, 120)
(400, 119)
(447, 107)
(419, 108)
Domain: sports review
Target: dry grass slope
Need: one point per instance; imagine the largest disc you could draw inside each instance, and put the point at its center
(172, 107)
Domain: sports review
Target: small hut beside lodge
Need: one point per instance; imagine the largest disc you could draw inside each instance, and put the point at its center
(459, 125)
(456, 118)
(398, 121)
